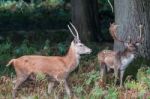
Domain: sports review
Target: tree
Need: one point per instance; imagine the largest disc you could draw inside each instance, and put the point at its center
(85, 18)
(129, 14)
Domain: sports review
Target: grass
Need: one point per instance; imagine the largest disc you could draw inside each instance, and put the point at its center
(83, 85)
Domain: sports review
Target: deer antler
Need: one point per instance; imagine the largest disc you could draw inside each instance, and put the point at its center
(77, 34)
(113, 31)
(140, 38)
(71, 31)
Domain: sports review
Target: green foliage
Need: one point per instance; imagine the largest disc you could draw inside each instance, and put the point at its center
(132, 69)
(135, 85)
(40, 76)
(47, 47)
(55, 2)
(5, 54)
(96, 93)
(61, 48)
(6, 4)
(24, 48)
(142, 83)
(92, 77)
(78, 90)
(5, 51)
(143, 76)
(112, 93)
(5, 47)
(36, 97)
(22, 15)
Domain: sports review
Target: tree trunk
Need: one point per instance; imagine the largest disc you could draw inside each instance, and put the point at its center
(85, 18)
(129, 14)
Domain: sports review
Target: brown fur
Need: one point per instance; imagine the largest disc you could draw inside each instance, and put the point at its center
(52, 65)
(113, 60)
(57, 67)
(107, 56)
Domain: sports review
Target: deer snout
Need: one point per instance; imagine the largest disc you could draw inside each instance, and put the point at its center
(89, 51)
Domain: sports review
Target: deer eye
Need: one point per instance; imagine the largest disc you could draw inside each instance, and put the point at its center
(80, 45)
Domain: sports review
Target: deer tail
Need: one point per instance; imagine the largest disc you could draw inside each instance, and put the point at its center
(10, 62)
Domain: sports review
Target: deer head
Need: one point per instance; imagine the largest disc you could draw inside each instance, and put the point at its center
(129, 44)
(79, 47)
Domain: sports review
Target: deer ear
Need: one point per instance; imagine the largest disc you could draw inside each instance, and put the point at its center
(74, 41)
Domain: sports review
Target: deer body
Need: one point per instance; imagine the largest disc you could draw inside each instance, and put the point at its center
(56, 67)
(111, 58)
(107, 57)
(117, 60)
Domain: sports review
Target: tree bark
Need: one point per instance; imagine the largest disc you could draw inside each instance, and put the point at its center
(129, 14)
(85, 18)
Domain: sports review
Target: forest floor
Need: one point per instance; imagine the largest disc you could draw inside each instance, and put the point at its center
(85, 85)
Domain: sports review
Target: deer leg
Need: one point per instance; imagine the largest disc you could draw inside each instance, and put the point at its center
(103, 72)
(50, 87)
(67, 89)
(121, 77)
(20, 79)
(116, 75)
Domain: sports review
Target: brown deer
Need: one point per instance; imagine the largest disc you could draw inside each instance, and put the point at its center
(56, 67)
(118, 60)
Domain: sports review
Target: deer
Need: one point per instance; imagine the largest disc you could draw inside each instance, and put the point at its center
(56, 67)
(118, 60)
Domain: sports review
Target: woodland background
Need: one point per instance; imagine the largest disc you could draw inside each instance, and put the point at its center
(40, 27)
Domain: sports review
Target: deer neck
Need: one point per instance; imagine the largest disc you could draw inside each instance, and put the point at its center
(126, 57)
(72, 59)
(126, 53)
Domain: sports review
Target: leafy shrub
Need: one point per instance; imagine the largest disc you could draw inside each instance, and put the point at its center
(143, 76)
(20, 15)
(62, 48)
(55, 2)
(24, 49)
(112, 93)
(5, 51)
(92, 77)
(96, 93)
